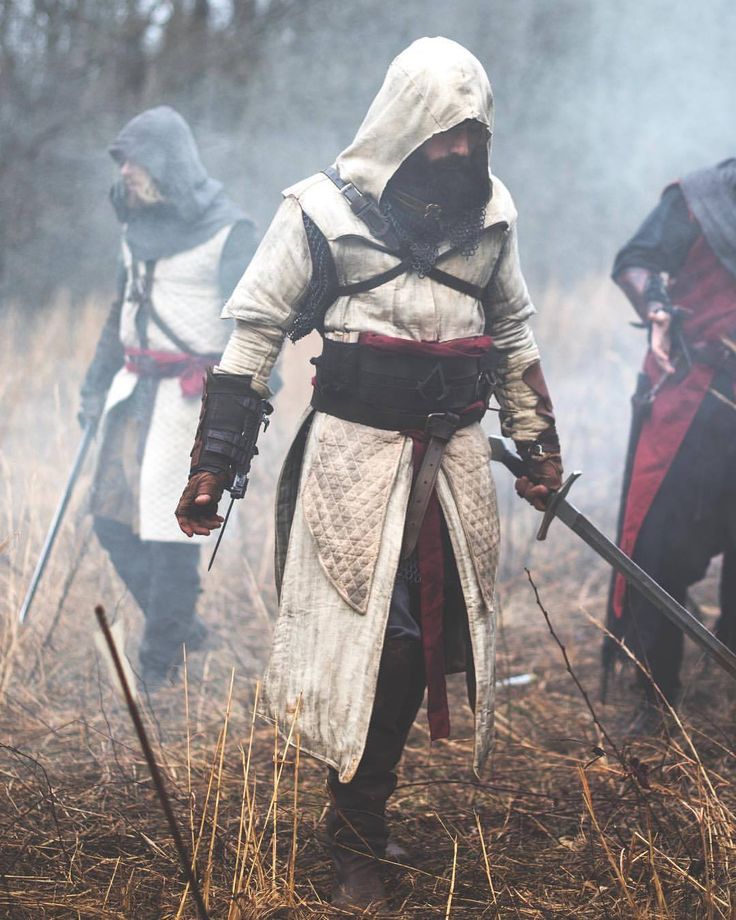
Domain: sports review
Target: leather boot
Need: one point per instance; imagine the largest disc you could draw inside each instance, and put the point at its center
(357, 841)
(356, 822)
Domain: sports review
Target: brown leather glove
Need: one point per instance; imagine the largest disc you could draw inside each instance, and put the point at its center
(544, 475)
(197, 508)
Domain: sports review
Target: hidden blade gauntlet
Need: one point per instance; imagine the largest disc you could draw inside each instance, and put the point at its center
(229, 423)
(225, 444)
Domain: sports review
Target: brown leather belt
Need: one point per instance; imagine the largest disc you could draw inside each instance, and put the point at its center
(441, 426)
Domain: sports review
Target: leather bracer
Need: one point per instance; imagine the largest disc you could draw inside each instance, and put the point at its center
(542, 455)
(645, 290)
(229, 424)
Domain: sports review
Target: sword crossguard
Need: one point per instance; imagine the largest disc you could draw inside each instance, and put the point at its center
(554, 500)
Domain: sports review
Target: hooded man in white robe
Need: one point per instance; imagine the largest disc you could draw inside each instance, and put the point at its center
(404, 256)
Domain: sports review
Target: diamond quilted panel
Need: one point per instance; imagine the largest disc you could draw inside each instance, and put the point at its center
(467, 467)
(344, 500)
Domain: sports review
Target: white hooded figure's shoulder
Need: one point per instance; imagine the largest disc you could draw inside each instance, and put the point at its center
(321, 200)
(299, 189)
(501, 207)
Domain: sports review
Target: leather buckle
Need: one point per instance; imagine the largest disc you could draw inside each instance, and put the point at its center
(354, 197)
(442, 425)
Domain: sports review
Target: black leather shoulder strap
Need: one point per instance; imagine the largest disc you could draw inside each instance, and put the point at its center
(376, 280)
(366, 209)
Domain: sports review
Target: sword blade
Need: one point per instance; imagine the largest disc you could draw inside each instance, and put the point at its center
(222, 531)
(560, 507)
(53, 530)
(645, 585)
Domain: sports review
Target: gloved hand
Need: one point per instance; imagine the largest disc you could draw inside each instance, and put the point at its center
(197, 508)
(90, 408)
(544, 474)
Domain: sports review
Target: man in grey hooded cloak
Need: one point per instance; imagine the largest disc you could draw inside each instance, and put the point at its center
(184, 246)
(404, 256)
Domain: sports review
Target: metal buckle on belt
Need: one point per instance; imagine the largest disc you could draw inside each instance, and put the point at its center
(442, 425)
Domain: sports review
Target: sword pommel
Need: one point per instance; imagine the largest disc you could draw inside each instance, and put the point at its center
(553, 503)
(502, 452)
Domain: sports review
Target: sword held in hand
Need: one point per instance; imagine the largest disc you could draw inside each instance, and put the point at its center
(559, 507)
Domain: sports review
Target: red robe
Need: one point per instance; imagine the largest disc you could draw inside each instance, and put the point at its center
(704, 286)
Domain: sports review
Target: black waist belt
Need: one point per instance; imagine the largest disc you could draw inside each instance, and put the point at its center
(719, 355)
(396, 392)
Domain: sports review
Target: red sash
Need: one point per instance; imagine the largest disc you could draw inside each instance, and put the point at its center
(430, 550)
(190, 369)
(705, 287)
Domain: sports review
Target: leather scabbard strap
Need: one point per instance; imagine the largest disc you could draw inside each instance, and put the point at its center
(440, 428)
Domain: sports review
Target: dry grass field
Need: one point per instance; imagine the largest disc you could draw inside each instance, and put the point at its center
(573, 817)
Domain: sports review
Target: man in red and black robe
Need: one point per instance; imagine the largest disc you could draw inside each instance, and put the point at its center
(679, 501)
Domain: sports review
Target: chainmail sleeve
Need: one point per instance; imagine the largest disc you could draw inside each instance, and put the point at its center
(109, 354)
(322, 286)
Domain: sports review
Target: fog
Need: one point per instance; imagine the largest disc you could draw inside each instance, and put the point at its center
(598, 106)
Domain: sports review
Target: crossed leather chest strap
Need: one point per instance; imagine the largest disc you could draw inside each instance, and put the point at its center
(440, 426)
(365, 208)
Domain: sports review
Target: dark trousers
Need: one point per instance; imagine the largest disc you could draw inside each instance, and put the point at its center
(692, 520)
(357, 817)
(164, 580)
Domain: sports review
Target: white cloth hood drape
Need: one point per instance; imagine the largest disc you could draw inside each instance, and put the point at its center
(430, 87)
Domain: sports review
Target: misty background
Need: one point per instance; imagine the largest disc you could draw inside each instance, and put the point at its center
(598, 105)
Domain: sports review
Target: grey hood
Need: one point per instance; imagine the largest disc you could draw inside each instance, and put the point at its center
(195, 206)
(711, 196)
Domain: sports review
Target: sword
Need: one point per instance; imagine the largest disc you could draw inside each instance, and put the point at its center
(84, 444)
(247, 450)
(559, 507)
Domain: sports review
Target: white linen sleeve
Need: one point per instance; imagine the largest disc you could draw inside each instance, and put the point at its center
(510, 309)
(264, 301)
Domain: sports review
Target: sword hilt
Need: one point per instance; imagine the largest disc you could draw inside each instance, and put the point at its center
(501, 453)
(553, 503)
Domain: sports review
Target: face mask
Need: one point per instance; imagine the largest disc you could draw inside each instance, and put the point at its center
(454, 183)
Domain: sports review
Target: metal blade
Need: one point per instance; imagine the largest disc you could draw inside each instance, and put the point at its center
(222, 531)
(53, 530)
(559, 507)
(645, 585)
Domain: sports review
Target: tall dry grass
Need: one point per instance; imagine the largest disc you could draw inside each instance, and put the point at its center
(572, 820)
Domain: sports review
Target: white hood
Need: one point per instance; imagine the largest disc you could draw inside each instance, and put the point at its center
(430, 87)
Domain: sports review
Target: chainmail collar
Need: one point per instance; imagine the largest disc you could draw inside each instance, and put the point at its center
(423, 230)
